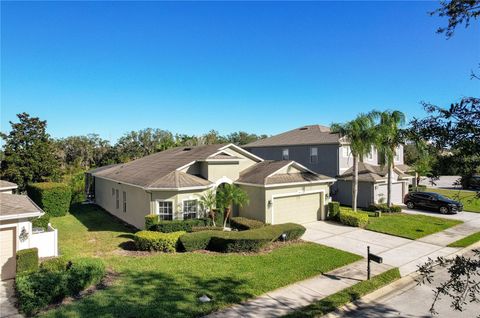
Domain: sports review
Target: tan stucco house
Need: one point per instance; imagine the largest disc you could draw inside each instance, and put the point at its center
(322, 151)
(170, 184)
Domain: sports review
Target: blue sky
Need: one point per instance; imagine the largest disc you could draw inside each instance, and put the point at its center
(108, 68)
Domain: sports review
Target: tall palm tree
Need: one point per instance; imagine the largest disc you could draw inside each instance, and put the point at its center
(361, 137)
(229, 195)
(389, 138)
(209, 200)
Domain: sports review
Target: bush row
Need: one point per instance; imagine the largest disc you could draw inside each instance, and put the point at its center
(52, 197)
(351, 218)
(243, 224)
(157, 241)
(384, 208)
(27, 260)
(411, 187)
(152, 223)
(333, 210)
(56, 279)
(244, 241)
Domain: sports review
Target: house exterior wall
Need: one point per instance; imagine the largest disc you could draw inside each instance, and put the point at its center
(19, 224)
(177, 198)
(137, 201)
(326, 164)
(257, 205)
(346, 158)
(217, 170)
(399, 160)
(343, 193)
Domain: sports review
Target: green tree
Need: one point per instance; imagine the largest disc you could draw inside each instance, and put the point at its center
(421, 157)
(389, 137)
(242, 138)
(208, 201)
(458, 12)
(29, 154)
(229, 195)
(360, 135)
(137, 144)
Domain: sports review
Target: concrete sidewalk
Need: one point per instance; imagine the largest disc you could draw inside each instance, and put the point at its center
(7, 300)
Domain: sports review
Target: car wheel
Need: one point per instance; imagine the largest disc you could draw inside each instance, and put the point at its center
(410, 205)
(444, 210)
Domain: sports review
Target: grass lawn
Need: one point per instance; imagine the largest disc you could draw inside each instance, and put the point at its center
(347, 295)
(168, 285)
(411, 226)
(466, 241)
(468, 198)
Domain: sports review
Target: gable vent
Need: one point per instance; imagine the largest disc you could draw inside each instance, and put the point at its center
(304, 128)
(187, 149)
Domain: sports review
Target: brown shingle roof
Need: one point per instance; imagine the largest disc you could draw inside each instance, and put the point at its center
(263, 173)
(306, 135)
(14, 204)
(7, 185)
(156, 170)
(371, 173)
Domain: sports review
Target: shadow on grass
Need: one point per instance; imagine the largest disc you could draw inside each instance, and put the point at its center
(94, 218)
(154, 294)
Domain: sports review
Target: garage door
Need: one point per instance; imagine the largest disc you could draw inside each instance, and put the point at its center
(7, 252)
(397, 197)
(297, 209)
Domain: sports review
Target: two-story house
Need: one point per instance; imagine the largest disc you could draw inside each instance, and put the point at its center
(316, 148)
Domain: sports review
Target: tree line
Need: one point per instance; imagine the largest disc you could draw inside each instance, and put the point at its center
(30, 154)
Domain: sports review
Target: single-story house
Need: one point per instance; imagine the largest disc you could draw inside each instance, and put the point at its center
(7, 187)
(372, 184)
(16, 233)
(170, 183)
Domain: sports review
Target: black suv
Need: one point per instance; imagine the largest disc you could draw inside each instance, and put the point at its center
(431, 200)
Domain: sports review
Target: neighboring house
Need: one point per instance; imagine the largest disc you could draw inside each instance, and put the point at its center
(16, 233)
(170, 184)
(316, 148)
(7, 187)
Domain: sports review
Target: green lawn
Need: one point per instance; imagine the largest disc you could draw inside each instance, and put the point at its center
(168, 285)
(466, 241)
(468, 198)
(347, 295)
(411, 226)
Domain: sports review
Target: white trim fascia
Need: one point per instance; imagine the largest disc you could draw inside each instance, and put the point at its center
(185, 166)
(20, 215)
(8, 188)
(121, 182)
(277, 185)
(222, 160)
(181, 189)
(286, 165)
(242, 151)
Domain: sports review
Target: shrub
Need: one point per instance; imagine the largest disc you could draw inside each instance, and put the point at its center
(83, 273)
(42, 221)
(156, 241)
(55, 264)
(37, 290)
(53, 198)
(292, 230)
(333, 210)
(27, 260)
(242, 224)
(196, 241)
(384, 208)
(351, 218)
(76, 182)
(411, 187)
(206, 228)
(177, 225)
(150, 221)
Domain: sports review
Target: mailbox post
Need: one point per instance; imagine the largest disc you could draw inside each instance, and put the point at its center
(372, 257)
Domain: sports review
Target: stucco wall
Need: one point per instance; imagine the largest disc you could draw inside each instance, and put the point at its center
(257, 205)
(327, 156)
(343, 193)
(137, 201)
(19, 224)
(217, 170)
(346, 159)
(177, 199)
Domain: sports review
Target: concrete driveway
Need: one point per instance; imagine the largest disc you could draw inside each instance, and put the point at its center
(7, 300)
(396, 251)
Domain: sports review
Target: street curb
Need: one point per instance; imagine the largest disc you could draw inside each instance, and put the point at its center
(399, 285)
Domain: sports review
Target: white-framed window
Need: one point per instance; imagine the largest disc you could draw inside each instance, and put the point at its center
(370, 154)
(190, 209)
(345, 151)
(113, 192)
(124, 201)
(117, 199)
(397, 154)
(313, 155)
(285, 154)
(165, 210)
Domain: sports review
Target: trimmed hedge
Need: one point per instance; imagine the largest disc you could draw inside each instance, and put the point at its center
(53, 198)
(384, 208)
(157, 241)
(177, 225)
(42, 221)
(53, 282)
(350, 218)
(411, 187)
(27, 260)
(196, 241)
(333, 210)
(150, 221)
(243, 224)
(206, 228)
(242, 241)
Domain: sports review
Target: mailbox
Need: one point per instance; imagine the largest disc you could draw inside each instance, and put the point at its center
(375, 258)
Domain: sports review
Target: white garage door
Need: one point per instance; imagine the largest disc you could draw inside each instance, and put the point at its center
(397, 196)
(7, 253)
(297, 209)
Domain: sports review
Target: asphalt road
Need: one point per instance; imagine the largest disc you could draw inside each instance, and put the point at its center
(411, 301)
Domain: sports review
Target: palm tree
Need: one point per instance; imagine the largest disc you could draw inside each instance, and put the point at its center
(389, 138)
(209, 200)
(360, 135)
(230, 195)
